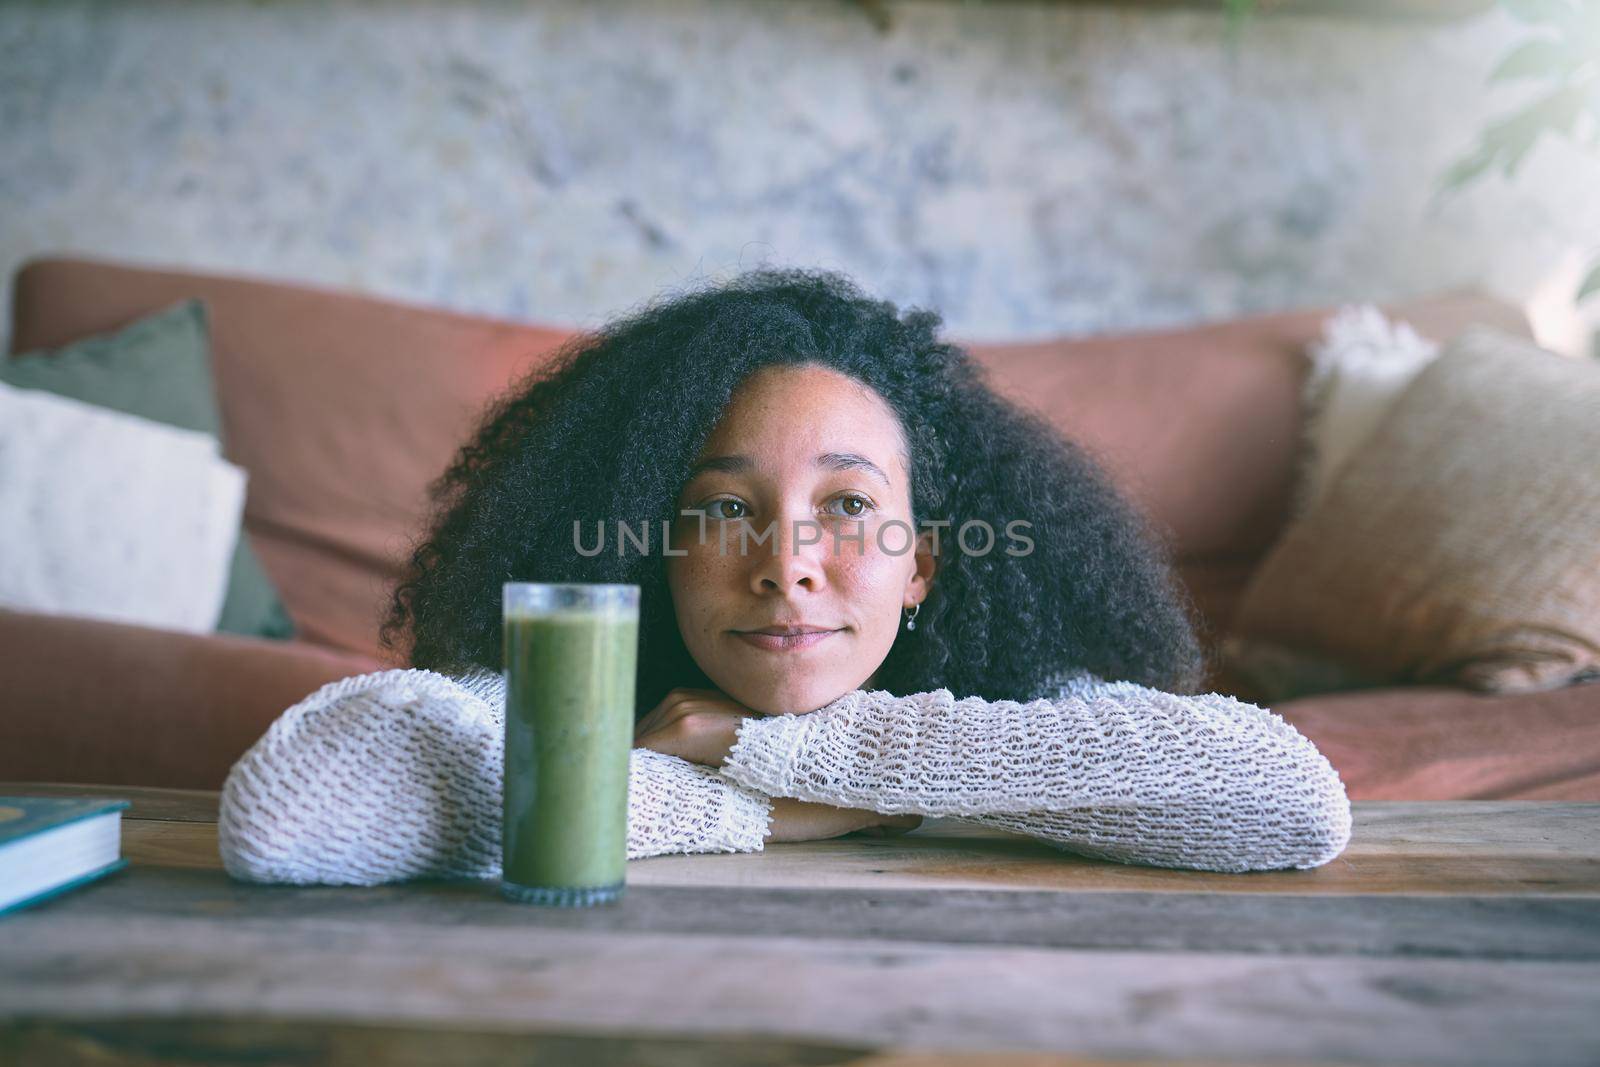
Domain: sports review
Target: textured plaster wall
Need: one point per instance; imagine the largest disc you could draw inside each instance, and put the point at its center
(1026, 169)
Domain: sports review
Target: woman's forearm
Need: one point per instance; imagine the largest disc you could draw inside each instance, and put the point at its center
(397, 775)
(1117, 770)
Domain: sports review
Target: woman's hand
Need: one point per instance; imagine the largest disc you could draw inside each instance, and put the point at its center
(699, 725)
(802, 820)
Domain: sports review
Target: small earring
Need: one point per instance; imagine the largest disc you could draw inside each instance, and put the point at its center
(911, 616)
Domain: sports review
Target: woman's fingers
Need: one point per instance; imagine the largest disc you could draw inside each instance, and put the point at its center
(799, 820)
(892, 826)
(680, 702)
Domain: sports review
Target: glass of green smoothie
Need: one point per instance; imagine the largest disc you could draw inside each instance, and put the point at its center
(571, 651)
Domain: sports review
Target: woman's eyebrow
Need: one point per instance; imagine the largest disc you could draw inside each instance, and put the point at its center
(838, 461)
(851, 461)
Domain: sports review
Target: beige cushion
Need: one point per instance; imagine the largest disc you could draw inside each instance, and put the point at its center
(1358, 367)
(1460, 542)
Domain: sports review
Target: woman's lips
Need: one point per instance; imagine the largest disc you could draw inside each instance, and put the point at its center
(779, 643)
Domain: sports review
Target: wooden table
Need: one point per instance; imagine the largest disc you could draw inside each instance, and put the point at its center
(1447, 933)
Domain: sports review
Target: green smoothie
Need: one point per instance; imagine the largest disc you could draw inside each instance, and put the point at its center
(569, 730)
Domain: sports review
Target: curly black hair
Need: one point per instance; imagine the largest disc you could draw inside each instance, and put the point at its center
(609, 426)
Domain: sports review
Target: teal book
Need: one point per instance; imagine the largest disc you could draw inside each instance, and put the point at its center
(49, 845)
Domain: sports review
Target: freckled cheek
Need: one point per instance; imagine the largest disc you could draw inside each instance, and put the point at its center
(699, 564)
(700, 583)
(870, 576)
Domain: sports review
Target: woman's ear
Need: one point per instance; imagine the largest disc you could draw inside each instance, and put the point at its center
(921, 582)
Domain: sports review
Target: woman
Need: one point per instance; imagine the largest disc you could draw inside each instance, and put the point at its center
(848, 513)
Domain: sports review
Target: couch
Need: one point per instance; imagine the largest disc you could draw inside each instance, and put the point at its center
(342, 408)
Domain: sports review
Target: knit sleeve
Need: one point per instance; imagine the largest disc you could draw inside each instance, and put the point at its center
(396, 775)
(1113, 770)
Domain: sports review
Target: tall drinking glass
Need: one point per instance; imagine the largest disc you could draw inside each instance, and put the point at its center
(570, 655)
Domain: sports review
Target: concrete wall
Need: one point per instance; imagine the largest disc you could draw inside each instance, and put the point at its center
(1027, 169)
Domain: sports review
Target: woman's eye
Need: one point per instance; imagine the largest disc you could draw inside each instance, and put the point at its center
(855, 505)
(712, 513)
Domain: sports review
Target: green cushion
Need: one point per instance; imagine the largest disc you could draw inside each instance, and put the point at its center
(159, 368)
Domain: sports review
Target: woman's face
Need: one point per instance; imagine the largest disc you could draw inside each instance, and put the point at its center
(802, 453)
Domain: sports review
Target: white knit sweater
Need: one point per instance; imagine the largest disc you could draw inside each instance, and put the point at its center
(397, 774)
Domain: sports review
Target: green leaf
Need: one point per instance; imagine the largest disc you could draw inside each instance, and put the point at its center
(1511, 138)
(1514, 151)
(1537, 58)
(1467, 168)
(1558, 11)
(1591, 284)
(1238, 13)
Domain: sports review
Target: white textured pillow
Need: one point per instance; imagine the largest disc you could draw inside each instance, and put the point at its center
(1361, 363)
(111, 516)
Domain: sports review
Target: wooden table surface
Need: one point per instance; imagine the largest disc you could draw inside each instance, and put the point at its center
(1447, 933)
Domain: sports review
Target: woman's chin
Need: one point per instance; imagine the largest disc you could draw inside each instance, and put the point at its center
(790, 700)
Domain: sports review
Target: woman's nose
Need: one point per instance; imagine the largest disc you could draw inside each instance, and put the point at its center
(791, 555)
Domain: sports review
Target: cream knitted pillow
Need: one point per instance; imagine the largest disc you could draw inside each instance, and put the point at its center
(1460, 541)
(1358, 366)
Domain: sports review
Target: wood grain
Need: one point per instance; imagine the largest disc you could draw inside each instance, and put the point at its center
(244, 1041)
(958, 862)
(1366, 9)
(1443, 847)
(173, 805)
(1484, 928)
(1447, 933)
(1439, 848)
(1525, 848)
(871, 992)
